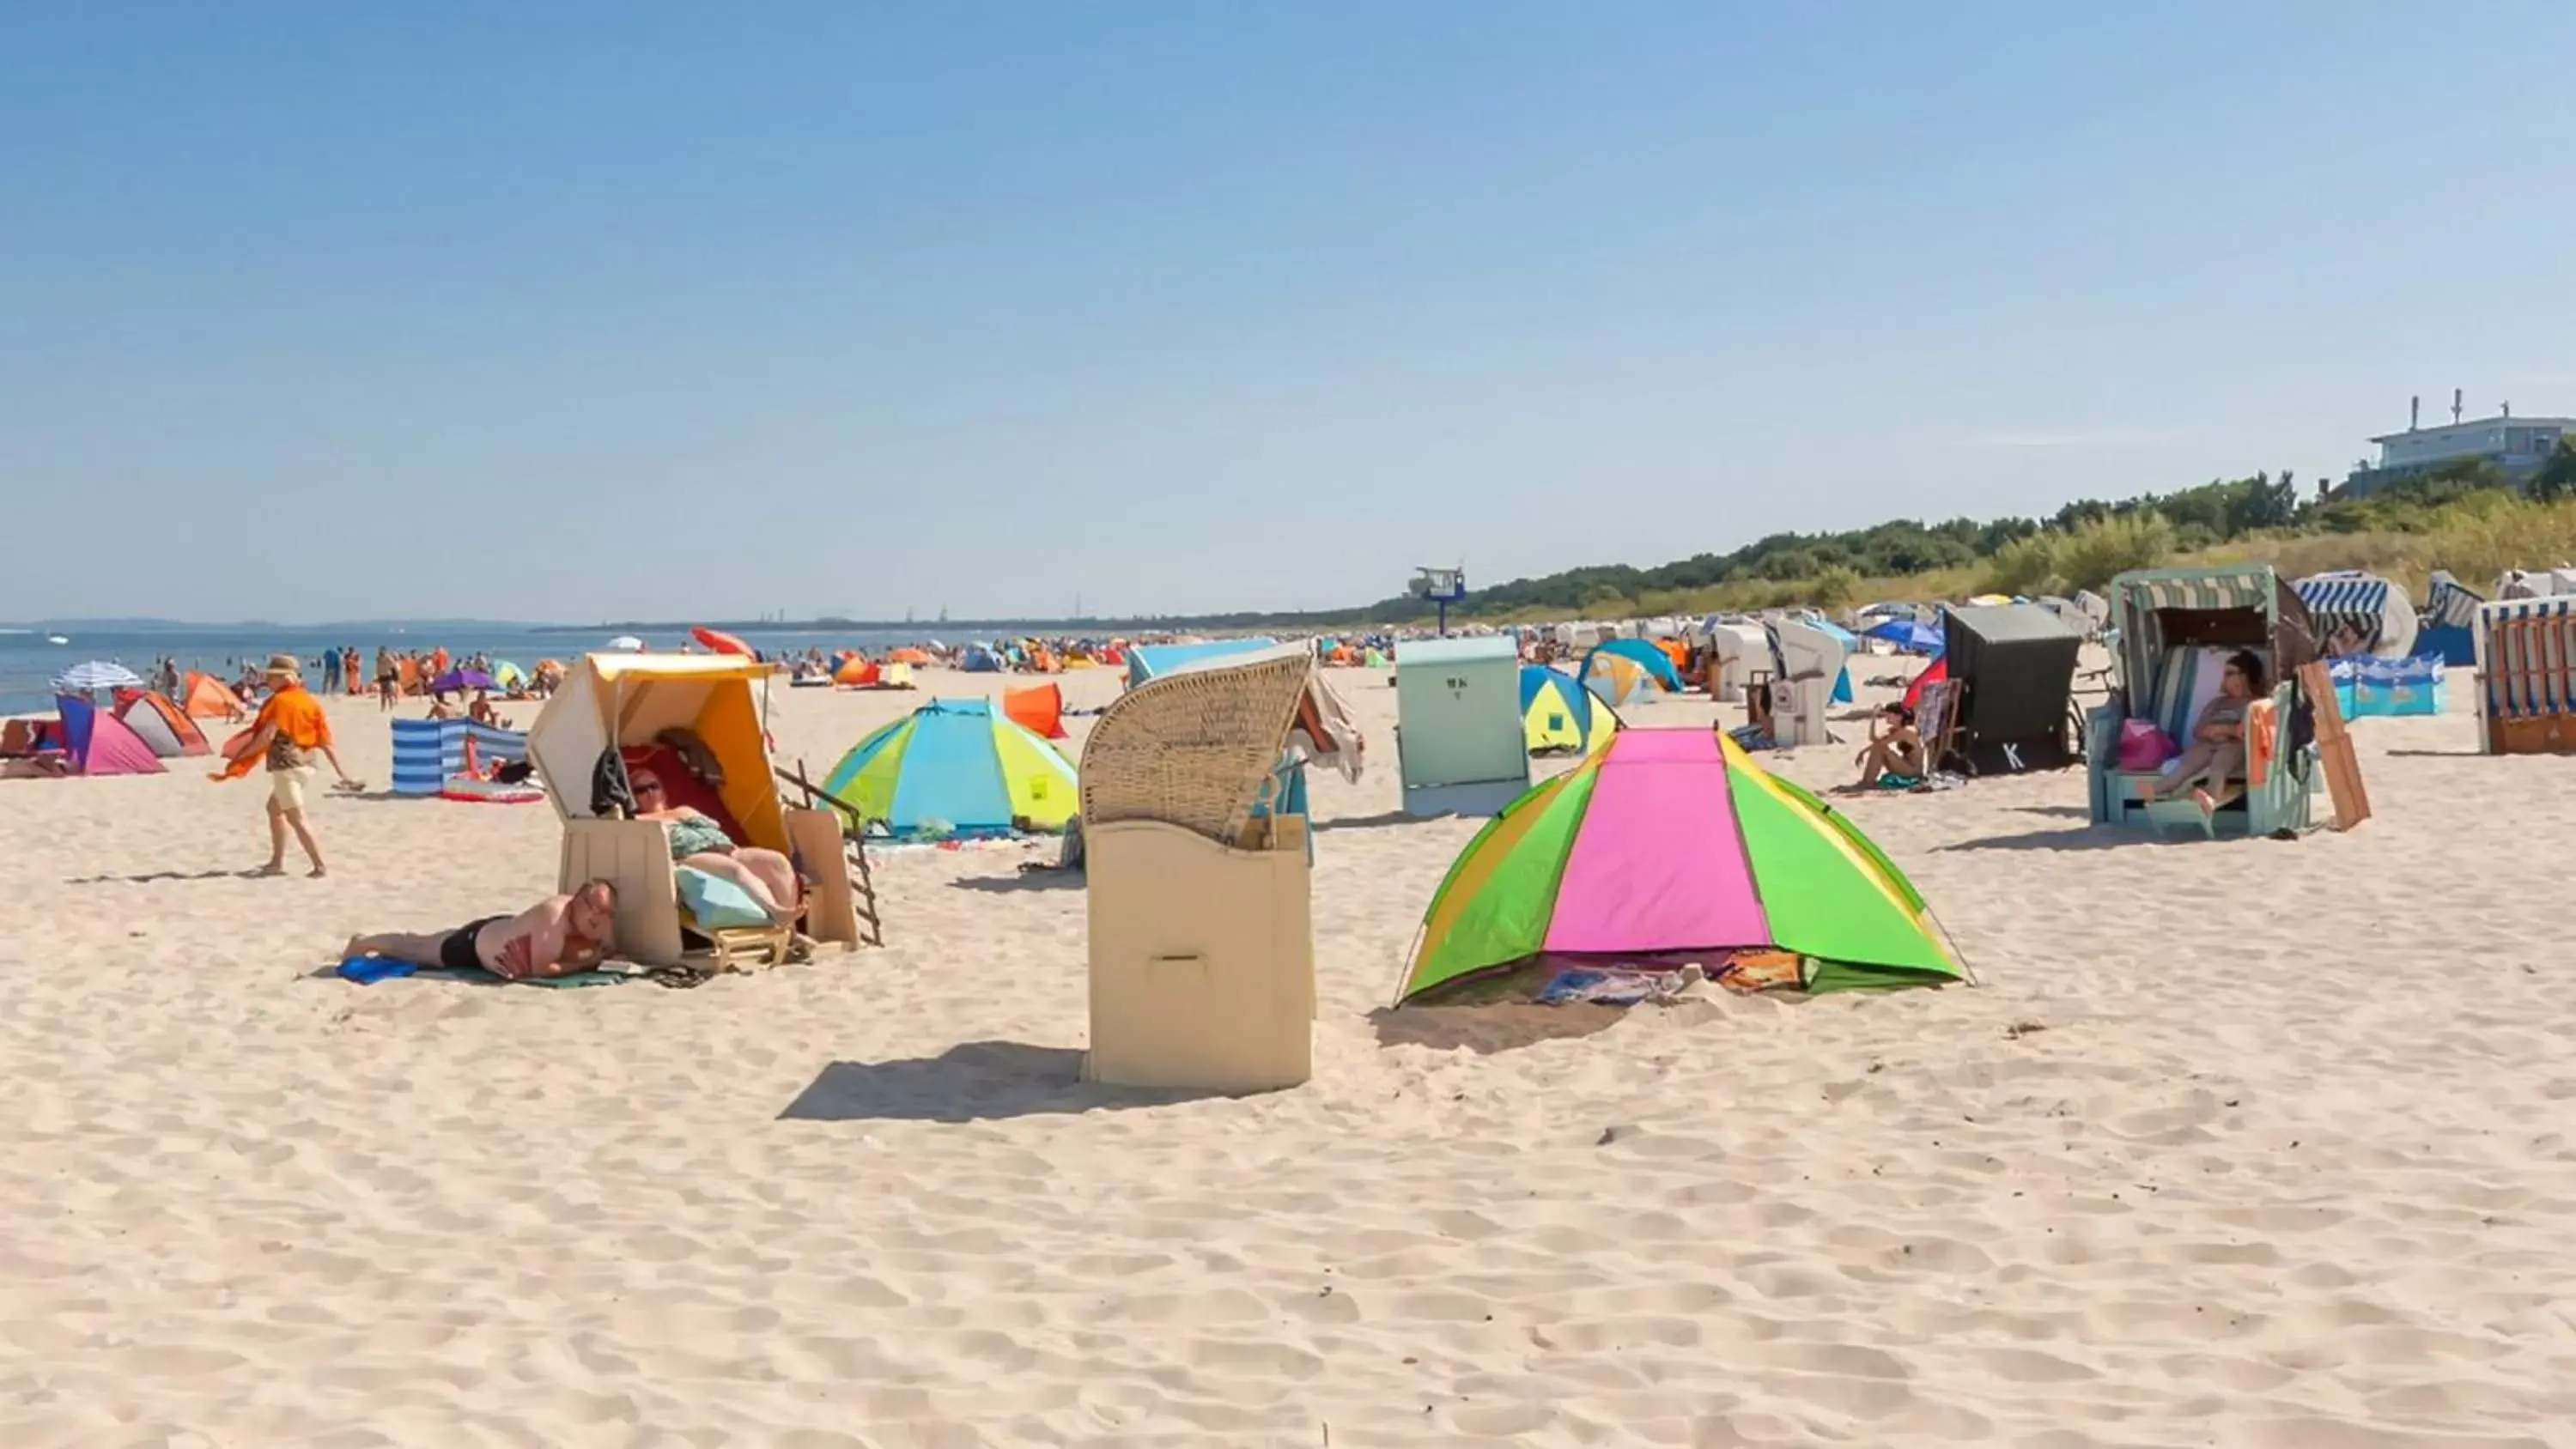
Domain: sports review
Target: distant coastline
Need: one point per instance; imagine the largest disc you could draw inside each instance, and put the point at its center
(826, 624)
(968, 628)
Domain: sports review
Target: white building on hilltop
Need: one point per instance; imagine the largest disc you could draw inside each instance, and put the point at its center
(2516, 446)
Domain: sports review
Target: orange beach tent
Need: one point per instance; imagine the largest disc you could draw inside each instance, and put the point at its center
(159, 723)
(205, 697)
(1039, 709)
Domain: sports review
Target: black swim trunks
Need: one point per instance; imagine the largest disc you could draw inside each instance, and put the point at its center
(457, 952)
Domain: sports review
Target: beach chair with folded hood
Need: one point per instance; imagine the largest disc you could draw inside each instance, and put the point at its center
(1202, 964)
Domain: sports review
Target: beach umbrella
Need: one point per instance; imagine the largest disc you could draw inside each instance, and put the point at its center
(627, 643)
(96, 674)
(456, 679)
(720, 641)
(1674, 844)
(1908, 636)
(505, 673)
(959, 762)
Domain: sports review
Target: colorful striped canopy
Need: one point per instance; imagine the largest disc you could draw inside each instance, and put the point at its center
(958, 762)
(1675, 841)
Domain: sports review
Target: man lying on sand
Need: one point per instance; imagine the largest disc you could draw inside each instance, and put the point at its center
(555, 937)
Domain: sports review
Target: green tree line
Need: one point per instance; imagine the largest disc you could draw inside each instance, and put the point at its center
(2083, 545)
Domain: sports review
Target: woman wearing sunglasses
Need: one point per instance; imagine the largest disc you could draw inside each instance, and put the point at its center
(699, 843)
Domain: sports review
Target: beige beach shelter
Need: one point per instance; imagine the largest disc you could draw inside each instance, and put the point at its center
(1202, 937)
(628, 702)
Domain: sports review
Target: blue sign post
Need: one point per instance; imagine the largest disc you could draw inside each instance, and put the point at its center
(1441, 588)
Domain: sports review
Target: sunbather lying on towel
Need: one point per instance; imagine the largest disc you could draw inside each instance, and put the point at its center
(698, 842)
(555, 937)
(2216, 755)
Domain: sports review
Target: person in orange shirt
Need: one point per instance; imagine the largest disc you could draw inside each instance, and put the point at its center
(290, 730)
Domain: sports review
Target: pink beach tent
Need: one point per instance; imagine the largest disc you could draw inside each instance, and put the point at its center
(101, 744)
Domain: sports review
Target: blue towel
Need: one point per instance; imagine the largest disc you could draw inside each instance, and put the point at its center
(368, 970)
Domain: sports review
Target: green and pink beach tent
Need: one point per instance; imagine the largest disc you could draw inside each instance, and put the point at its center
(1671, 846)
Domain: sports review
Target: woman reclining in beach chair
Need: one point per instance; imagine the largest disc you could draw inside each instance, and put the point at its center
(699, 842)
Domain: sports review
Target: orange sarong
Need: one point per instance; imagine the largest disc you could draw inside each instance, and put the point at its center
(297, 717)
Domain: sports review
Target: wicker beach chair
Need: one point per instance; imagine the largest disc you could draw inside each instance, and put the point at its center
(1202, 967)
(2174, 628)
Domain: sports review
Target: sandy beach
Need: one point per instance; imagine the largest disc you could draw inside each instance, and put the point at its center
(2258, 1145)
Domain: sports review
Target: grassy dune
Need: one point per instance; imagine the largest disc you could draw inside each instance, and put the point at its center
(2476, 538)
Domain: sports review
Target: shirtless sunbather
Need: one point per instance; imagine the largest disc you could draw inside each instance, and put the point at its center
(555, 937)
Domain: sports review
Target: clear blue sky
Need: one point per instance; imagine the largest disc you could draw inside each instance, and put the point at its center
(1188, 306)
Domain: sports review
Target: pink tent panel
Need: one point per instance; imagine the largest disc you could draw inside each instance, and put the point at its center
(102, 744)
(1657, 865)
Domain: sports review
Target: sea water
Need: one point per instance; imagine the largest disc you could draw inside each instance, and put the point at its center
(29, 662)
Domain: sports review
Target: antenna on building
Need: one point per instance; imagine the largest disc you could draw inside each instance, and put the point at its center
(2414, 412)
(2508, 407)
(2455, 407)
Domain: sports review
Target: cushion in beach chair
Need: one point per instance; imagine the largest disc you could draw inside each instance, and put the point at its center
(715, 902)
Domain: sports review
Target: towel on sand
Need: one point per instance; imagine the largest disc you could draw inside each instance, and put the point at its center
(368, 970)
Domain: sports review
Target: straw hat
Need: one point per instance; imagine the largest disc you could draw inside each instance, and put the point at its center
(283, 664)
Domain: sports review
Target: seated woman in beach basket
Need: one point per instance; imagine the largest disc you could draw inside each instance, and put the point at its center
(2214, 762)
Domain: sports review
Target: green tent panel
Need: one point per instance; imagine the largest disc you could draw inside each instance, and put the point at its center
(1824, 899)
(1504, 883)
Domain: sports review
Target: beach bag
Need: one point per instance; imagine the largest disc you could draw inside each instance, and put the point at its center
(284, 754)
(2143, 746)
